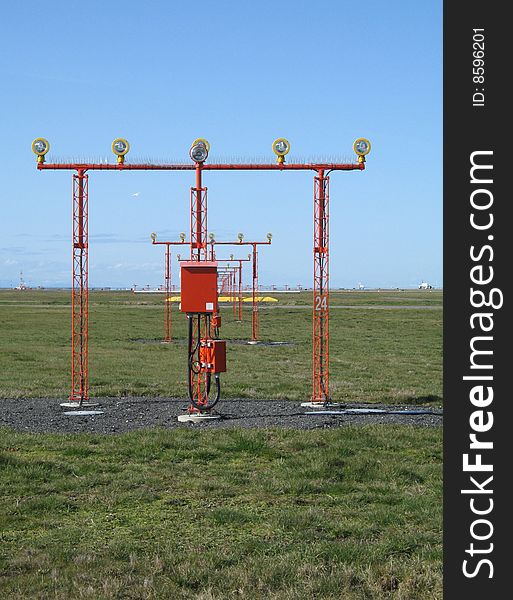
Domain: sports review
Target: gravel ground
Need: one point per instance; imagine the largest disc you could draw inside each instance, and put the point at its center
(44, 415)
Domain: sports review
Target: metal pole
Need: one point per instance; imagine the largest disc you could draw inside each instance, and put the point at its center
(80, 291)
(198, 219)
(198, 209)
(240, 291)
(234, 299)
(254, 314)
(200, 380)
(167, 310)
(320, 338)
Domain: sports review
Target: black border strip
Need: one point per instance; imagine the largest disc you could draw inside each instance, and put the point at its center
(469, 129)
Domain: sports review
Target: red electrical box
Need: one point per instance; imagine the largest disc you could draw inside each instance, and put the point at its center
(212, 355)
(198, 285)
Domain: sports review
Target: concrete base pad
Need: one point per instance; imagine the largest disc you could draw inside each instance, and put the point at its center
(261, 343)
(78, 405)
(82, 413)
(197, 418)
(322, 405)
(371, 411)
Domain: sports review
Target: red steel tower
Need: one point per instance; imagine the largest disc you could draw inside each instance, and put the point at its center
(320, 338)
(80, 292)
(236, 298)
(255, 318)
(207, 354)
(167, 283)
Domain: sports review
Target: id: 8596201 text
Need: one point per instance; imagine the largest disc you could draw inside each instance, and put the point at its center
(478, 67)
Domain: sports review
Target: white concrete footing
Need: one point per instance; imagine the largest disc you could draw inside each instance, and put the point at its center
(82, 413)
(197, 418)
(86, 404)
(322, 405)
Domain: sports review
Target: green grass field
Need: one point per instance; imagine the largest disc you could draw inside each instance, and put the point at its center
(352, 513)
(391, 356)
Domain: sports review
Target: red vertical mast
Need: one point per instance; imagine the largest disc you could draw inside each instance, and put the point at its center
(320, 340)
(80, 291)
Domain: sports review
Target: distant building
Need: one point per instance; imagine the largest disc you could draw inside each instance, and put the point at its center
(425, 286)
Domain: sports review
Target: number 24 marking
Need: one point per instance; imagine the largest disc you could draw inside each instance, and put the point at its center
(321, 303)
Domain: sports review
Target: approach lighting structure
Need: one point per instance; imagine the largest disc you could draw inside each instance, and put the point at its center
(362, 147)
(281, 147)
(199, 150)
(205, 318)
(120, 147)
(40, 147)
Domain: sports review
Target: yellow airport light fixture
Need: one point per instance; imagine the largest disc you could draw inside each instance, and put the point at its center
(362, 147)
(269, 237)
(240, 237)
(182, 237)
(40, 147)
(281, 147)
(199, 150)
(153, 237)
(120, 147)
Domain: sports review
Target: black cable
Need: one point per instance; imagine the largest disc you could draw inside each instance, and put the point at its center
(191, 369)
(189, 359)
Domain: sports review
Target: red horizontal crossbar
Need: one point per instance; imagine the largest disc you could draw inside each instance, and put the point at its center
(233, 259)
(243, 243)
(180, 243)
(204, 167)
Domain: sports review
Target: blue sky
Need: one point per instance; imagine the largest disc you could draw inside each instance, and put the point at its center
(162, 73)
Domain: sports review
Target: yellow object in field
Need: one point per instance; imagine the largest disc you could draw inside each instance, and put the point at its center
(260, 299)
(229, 299)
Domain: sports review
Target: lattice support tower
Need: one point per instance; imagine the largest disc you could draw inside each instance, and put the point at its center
(199, 379)
(320, 338)
(198, 221)
(238, 311)
(167, 301)
(255, 317)
(80, 291)
(168, 287)
(239, 297)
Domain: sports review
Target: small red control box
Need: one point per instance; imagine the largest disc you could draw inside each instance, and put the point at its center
(212, 355)
(198, 284)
